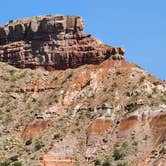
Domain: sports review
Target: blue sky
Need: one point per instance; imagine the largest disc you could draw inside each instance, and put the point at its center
(139, 25)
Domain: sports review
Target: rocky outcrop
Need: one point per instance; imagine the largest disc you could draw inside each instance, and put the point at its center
(56, 161)
(35, 128)
(94, 135)
(61, 153)
(97, 129)
(52, 42)
(41, 27)
(100, 126)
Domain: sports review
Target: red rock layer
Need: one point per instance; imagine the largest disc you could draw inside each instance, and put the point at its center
(52, 42)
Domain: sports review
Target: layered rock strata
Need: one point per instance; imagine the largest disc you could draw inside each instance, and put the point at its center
(52, 42)
(61, 153)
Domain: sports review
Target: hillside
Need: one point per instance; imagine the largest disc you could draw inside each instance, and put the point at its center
(88, 108)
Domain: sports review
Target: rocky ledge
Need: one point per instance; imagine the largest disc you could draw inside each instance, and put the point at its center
(52, 42)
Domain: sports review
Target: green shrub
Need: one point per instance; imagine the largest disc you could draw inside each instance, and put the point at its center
(17, 163)
(97, 162)
(118, 154)
(38, 145)
(70, 75)
(12, 161)
(14, 158)
(8, 119)
(114, 85)
(29, 142)
(6, 163)
(107, 162)
(142, 79)
(122, 164)
(56, 136)
(124, 145)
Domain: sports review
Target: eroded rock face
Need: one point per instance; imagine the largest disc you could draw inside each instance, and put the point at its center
(52, 42)
(149, 130)
(97, 129)
(55, 161)
(61, 153)
(95, 132)
(40, 27)
(35, 128)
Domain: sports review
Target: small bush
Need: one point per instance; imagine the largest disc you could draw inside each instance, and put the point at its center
(114, 85)
(118, 154)
(6, 163)
(125, 145)
(29, 142)
(12, 161)
(118, 73)
(38, 146)
(97, 162)
(107, 162)
(56, 136)
(14, 158)
(70, 75)
(17, 163)
(122, 164)
(142, 79)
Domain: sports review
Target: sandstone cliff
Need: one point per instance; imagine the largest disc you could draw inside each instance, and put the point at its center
(52, 42)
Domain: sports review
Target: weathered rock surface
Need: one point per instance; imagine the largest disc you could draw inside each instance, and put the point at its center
(61, 153)
(52, 42)
(97, 129)
(35, 128)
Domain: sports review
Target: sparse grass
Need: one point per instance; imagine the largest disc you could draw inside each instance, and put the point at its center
(8, 119)
(68, 77)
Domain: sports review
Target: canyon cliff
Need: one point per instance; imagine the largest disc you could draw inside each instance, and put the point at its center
(52, 42)
(67, 99)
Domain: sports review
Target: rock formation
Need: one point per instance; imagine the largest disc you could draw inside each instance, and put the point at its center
(109, 112)
(52, 42)
(61, 153)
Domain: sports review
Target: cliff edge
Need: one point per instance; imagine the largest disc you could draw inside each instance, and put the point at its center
(52, 42)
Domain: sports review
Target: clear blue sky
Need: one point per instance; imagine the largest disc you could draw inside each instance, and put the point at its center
(139, 25)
